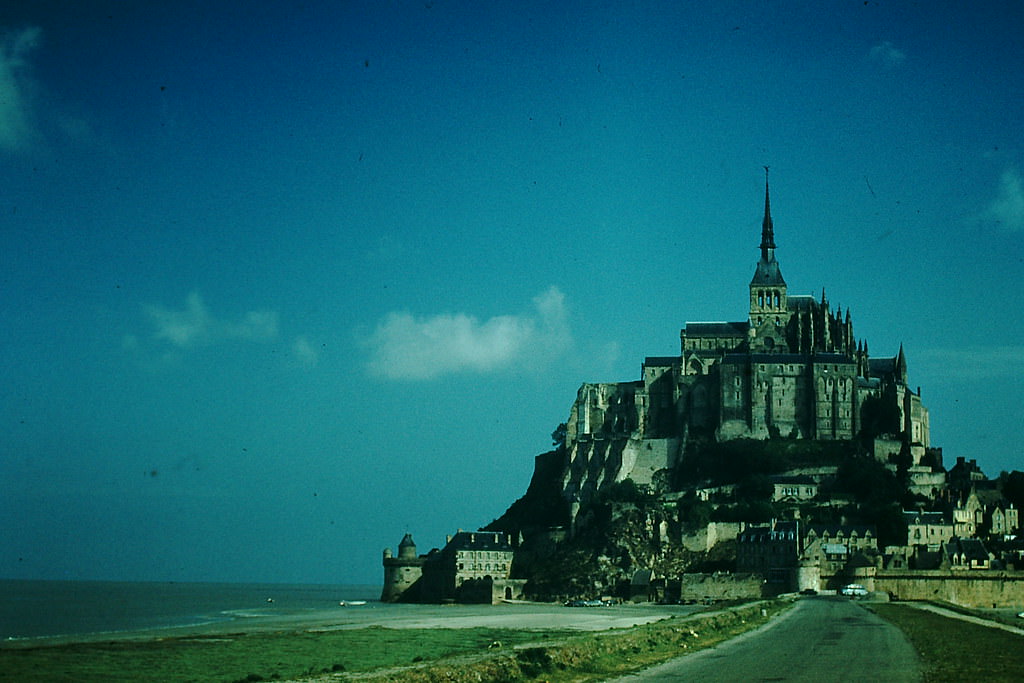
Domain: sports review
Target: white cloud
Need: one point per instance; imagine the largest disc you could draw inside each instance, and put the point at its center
(1007, 209)
(887, 54)
(406, 347)
(304, 352)
(16, 125)
(195, 326)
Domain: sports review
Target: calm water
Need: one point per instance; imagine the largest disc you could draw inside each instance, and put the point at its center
(31, 609)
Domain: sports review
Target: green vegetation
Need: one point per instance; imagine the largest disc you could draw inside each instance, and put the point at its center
(956, 650)
(596, 657)
(730, 462)
(249, 656)
(1012, 486)
(395, 654)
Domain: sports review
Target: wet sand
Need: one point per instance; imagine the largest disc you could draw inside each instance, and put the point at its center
(525, 616)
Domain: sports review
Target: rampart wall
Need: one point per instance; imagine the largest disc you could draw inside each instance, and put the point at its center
(966, 588)
(716, 586)
(705, 539)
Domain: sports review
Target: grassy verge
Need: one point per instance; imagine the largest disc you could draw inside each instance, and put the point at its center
(592, 657)
(380, 654)
(956, 650)
(250, 657)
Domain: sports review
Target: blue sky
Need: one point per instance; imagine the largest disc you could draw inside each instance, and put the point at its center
(281, 283)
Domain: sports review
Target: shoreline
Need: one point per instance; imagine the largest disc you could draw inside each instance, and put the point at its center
(520, 616)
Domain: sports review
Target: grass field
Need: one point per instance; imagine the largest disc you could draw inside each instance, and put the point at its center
(956, 650)
(595, 656)
(249, 657)
(438, 654)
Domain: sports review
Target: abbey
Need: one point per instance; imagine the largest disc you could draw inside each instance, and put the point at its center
(792, 369)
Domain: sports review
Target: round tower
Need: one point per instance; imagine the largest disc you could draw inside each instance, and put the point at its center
(401, 573)
(407, 548)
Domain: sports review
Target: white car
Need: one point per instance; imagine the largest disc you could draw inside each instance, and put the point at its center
(853, 590)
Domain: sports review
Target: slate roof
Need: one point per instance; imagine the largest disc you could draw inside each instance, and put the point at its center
(767, 273)
(479, 540)
(798, 479)
(882, 366)
(936, 518)
(782, 531)
(972, 549)
(788, 358)
(833, 530)
(800, 302)
(717, 329)
(744, 358)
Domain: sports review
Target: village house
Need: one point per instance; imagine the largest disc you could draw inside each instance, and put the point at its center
(473, 567)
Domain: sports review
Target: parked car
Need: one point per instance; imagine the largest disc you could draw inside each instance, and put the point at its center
(853, 590)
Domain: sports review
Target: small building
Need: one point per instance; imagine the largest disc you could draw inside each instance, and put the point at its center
(1002, 520)
(930, 529)
(770, 551)
(965, 553)
(793, 489)
(968, 516)
(791, 558)
(473, 567)
(835, 549)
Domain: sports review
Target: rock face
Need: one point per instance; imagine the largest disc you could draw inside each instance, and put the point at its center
(599, 551)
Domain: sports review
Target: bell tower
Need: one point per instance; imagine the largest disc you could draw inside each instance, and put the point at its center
(769, 311)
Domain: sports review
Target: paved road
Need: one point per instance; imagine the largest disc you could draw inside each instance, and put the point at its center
(820, 639)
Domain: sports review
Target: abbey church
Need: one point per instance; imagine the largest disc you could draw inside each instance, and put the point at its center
(792, 369)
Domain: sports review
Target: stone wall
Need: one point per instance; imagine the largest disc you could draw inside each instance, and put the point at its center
(966, 588)
(705, 539)
(641, 458)
(716, 587)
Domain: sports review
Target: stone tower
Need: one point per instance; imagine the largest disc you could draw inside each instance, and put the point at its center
(769, 310)
(401, 573)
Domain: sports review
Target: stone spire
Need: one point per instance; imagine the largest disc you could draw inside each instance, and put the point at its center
(768, 272)
(767, 229)
(901, 366)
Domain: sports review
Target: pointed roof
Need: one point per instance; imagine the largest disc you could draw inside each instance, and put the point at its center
(767, 229)
(901, 365)
(768, 272)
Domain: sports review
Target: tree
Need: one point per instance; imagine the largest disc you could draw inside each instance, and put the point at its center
(1013, 487)
(558, 437)
(881, 414)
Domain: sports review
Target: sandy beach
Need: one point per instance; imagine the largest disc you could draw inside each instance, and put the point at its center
(525, 616)
(519, 616)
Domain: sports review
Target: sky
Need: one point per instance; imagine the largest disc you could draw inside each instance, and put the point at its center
(281, 282)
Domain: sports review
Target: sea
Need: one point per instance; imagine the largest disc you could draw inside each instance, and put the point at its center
(38, 609)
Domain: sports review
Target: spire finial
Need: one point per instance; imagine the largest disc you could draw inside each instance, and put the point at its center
(767, 229)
